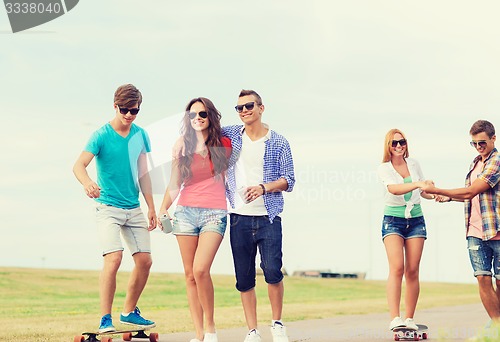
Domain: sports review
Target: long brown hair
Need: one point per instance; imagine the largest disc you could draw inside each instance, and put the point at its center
(387, 144)
(216, 150)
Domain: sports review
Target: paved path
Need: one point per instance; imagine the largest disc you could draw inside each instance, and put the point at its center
(456, 323)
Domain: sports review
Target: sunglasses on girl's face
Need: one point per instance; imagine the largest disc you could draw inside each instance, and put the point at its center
(248, 106)
(132, 111)
(401, 142)
(481, 143)
(202, 115)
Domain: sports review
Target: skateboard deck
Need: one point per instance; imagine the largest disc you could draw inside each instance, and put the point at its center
(405, 334)
(127, 335)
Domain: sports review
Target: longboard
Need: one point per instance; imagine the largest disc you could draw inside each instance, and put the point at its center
(405, 334)
(127, 335)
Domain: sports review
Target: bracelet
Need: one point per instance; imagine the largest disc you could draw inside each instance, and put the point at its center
(263, 189)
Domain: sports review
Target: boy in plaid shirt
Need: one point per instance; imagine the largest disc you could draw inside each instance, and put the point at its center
(481, 196)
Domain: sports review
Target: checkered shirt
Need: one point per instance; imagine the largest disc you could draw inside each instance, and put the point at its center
(278, 163)
(489, 200)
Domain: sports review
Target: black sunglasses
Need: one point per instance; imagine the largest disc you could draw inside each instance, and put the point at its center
(132, 111)
(401, 142)
(202, 115)
(481, 143)
(248, 106)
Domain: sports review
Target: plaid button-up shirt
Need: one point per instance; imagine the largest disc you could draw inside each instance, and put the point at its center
(489, 200)
(278, 163)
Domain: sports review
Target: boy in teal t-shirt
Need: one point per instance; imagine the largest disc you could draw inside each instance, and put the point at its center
(120, 148)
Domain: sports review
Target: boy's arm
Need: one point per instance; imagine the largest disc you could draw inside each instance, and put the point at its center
(285, 182)
(80, 170)
(286, 171)
(147, 189)
(278, 185)
(460, 194)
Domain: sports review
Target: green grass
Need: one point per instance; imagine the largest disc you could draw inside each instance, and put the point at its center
(55, 305)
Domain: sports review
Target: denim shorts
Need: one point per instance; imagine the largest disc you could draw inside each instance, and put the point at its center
(249, 233)
(131, 223)
(483, 255)
(413, 227)
(195, 221)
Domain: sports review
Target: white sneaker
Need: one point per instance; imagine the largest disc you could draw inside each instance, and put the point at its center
(410, 324)
(278, 331)
(253, 336)
(210, 337)
(396, 323)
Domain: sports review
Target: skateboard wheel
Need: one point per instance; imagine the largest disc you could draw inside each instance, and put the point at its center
(424, 336)
(153, 337)
(396, 338)
(106, 339)
(79, 338)
(127, 336)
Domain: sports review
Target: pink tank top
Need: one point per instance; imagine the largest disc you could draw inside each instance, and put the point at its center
(203, 190)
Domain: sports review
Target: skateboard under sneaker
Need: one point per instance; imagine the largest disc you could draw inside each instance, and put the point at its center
(405, 334)
(127, 335)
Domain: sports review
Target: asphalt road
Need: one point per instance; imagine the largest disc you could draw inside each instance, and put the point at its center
(457, 323)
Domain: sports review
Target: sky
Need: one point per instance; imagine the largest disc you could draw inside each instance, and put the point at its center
(334, 76)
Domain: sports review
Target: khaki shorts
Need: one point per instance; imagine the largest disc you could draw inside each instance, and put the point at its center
(132, 225)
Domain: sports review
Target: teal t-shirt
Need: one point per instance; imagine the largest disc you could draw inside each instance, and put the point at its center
(116, 161)
(399, 211)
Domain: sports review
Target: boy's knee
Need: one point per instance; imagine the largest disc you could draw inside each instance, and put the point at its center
(143, 260)
(273, 275)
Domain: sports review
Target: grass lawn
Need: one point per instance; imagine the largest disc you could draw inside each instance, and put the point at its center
(55, 305)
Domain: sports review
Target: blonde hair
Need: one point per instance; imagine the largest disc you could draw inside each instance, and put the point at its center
(388, 144)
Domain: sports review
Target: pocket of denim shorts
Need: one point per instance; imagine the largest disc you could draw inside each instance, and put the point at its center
(387, 220)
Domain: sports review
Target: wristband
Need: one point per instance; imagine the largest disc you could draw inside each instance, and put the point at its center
(263, 189)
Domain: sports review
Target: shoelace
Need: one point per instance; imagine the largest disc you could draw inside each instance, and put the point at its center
(106, 321)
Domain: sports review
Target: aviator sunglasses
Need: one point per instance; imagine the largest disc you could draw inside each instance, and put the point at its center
(124, 110)
(401, 142)
(248, 106)
(202, 115)
(481, 143)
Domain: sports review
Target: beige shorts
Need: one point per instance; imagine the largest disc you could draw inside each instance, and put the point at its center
(132, 225)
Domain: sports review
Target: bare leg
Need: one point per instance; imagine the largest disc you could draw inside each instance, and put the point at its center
(394, 249)
(275, 293)
(489, 297)
(107, 280)
(497, 289)
(188, 246)
(208, 244)
(138, 280)
(249, 301)
(413, 255)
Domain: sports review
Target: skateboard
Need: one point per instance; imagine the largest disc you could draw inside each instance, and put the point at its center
(405, 334)
(127, 335)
